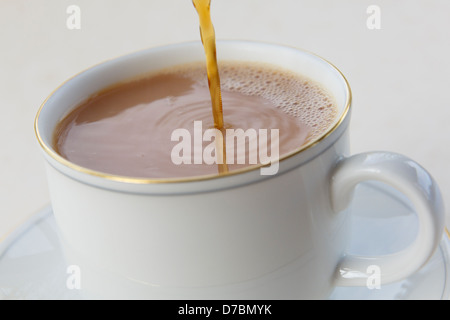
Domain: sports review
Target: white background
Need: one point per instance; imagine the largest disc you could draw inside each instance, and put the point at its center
(400, 75)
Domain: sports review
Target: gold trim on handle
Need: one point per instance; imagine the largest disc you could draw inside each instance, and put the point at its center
(136, 180)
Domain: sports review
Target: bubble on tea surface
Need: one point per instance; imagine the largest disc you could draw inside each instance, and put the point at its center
(293, 94)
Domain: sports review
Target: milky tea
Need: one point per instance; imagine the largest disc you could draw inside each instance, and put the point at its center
(160, 125)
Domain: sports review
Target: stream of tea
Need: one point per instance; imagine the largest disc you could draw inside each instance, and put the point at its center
(208, 38)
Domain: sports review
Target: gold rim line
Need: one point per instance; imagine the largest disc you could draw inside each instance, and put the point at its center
(447, 232)
(135, 180)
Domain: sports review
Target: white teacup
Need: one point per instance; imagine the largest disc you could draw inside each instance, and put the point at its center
(238, 236)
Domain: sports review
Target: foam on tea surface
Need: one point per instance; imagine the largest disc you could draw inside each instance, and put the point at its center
(298, 97)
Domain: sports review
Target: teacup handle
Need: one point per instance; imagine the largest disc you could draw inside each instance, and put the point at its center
(417, 184)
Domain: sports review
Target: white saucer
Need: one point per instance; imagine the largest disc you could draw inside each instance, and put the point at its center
(32, 265)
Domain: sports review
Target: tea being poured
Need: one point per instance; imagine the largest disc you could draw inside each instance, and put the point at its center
(132, 129)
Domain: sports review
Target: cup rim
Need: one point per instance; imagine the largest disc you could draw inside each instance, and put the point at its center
(141, 181)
